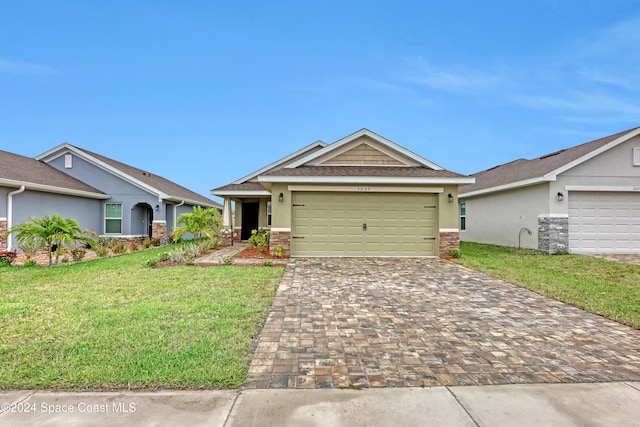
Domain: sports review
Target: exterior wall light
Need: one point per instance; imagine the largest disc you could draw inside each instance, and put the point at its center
(281, 198)
(560, 196)
(450, 196)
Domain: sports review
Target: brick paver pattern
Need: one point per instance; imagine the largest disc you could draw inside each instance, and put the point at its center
(382, 322)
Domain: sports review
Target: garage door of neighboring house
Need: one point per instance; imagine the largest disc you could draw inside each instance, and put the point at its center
(601, 222)
(364, 224)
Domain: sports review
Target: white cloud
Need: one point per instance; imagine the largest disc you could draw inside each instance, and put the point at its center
(17, 67)
(453, 79)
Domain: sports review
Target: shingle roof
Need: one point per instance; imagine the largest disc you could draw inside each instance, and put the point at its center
(364, 171)
(523, 169)
(245, 186)
(30, 171)
(155, 181)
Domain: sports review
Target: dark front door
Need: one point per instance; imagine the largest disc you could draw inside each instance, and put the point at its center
(249, 219)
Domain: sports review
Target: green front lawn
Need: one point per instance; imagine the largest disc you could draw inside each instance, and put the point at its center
(114, 323)
(599, 286)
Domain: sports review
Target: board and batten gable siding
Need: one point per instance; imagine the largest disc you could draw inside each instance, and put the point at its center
(363, 154)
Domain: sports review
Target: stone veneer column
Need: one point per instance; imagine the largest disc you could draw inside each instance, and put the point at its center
(3, 229)
(159, 231)
(449, 240)
(553, 234)
(281, 238)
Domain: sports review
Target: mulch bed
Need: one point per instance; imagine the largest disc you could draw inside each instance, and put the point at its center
(252, 252)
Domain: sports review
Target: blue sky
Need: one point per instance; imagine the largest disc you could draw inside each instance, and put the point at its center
(205, 92)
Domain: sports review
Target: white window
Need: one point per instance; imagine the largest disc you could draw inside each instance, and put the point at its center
(636, 156)
(113, 218)
(269, 214)
(68, 161)
(463, 216)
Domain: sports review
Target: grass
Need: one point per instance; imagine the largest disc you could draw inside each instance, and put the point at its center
(114, 323)
(607, 288)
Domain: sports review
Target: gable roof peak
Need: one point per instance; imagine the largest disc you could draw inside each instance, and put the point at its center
(375, 137)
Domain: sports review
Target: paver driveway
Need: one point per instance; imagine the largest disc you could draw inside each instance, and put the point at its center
(371, 322)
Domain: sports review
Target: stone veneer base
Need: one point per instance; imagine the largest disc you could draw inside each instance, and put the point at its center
(553, 234)
(449, 240)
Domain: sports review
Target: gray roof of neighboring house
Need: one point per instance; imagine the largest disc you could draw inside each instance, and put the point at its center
(523, 169)
(156, 181)
(245, 186)
(25, 170)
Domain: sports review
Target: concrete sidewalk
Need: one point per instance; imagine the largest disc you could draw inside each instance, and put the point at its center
(595, 404)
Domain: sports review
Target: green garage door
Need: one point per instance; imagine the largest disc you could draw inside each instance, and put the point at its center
(364, 224)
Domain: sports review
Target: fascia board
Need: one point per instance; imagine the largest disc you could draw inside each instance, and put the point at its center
(281, 161)
(506, 187)
(58, 151)
(367, 180)
(51, 189)
(365, 132)
(241, 193)
(189, 201)
(592, 154)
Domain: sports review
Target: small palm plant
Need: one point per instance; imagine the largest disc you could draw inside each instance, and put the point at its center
(49, 233)
(200, 223)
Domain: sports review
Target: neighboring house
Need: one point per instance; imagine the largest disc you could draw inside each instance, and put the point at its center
(363, 195)
(104, 195)
(584, 199)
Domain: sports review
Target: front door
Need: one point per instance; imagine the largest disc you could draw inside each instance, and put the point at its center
(249, 219)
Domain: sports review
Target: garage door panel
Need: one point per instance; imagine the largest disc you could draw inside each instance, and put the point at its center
(332, 224)
(604, 222)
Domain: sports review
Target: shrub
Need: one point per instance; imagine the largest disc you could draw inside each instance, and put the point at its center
(146, 243)
(151, 262)
(7, 258)
(455, 252)
(163, 256)
(267, 263)
(30, 263)
(106, 241)
(134, 247)
(277, 251)
(102, 251)
(189, 259)
(228, 260)
(260, 238)
(156, 242)
(78, 253)
(177, 255)
(120, 248)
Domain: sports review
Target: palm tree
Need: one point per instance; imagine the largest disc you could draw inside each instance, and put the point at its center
(201, 222)
(49, 232)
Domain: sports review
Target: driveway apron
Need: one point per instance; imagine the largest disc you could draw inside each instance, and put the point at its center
(384, 322)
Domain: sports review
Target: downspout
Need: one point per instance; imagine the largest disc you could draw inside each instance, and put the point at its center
(10, 214)
(175, 212)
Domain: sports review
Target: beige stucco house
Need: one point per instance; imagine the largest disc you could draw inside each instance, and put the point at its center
(362, 195)
(584, 199)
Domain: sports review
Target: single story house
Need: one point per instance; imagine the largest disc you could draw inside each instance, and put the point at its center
(102, 194)
(362, 195)
(583, 199)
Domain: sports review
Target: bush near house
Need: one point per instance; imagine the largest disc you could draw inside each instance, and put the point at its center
(50, 233)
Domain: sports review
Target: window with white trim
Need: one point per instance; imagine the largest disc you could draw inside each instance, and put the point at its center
(269, 214)
(463, 216)
(113, 218)
(636, 156)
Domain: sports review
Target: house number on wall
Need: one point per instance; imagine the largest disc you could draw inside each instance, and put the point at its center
(364, 188)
